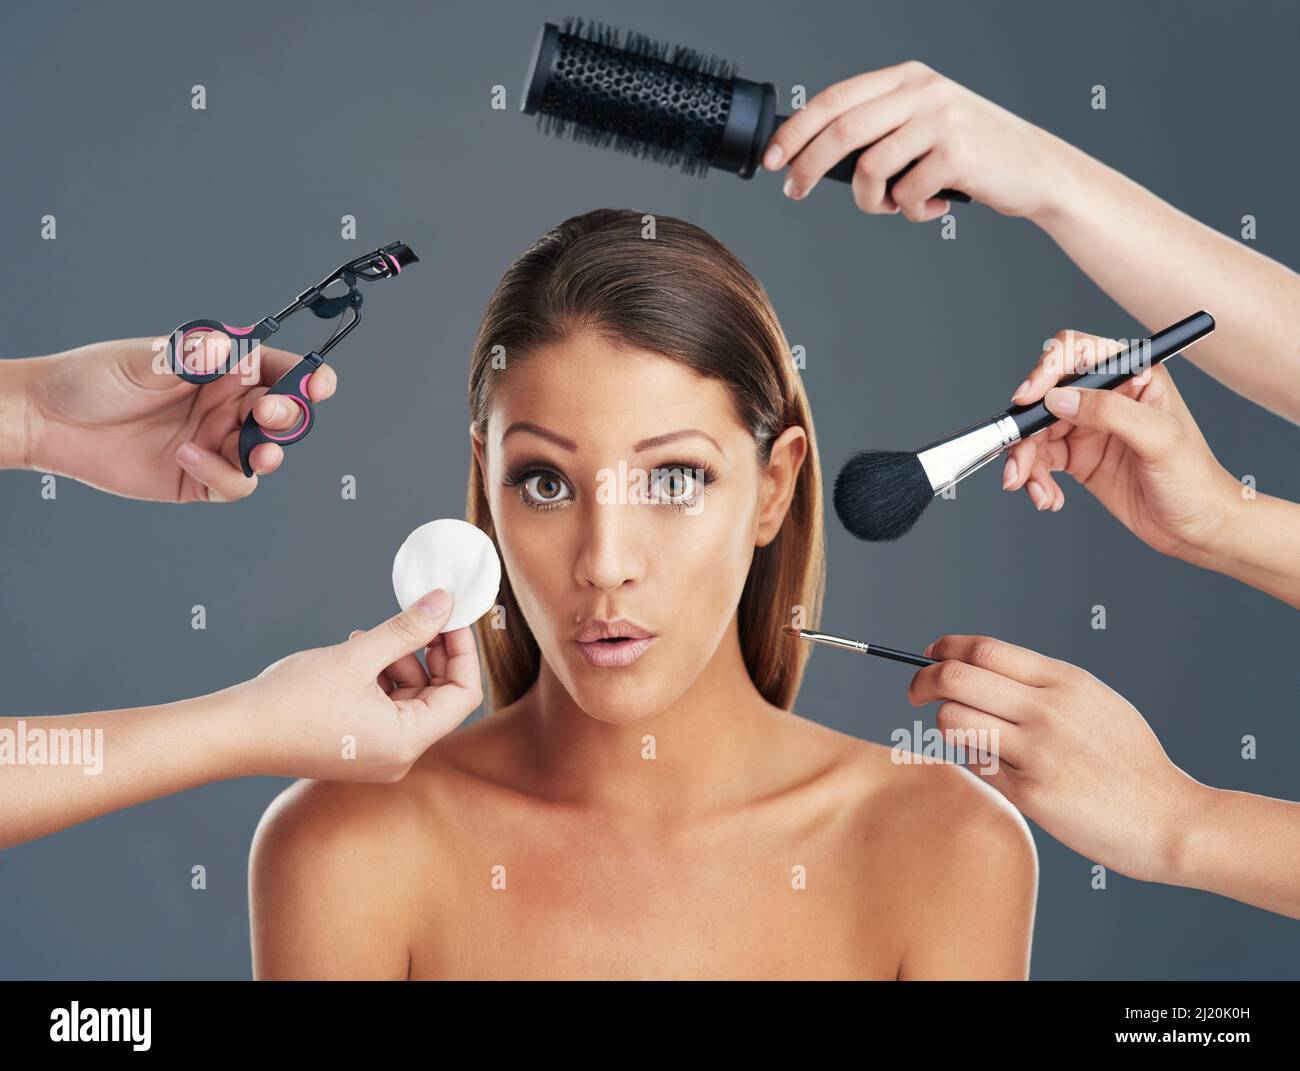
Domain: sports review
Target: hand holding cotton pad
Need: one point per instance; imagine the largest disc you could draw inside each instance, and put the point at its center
(456, 556)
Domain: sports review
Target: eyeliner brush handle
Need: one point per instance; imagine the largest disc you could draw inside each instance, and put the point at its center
(900, 656)
(1119, 369)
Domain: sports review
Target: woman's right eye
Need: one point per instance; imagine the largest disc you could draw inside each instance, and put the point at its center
(542, 489)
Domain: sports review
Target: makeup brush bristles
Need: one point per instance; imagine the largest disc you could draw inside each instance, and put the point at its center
(879, 494)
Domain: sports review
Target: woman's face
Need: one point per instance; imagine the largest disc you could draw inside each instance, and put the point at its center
(622, 485)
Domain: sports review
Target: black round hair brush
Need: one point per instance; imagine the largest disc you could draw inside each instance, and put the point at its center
(670, 104)
(880, 494)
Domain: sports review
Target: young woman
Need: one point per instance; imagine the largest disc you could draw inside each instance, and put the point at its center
(643, 455)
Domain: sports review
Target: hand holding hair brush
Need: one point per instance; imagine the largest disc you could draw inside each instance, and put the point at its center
(880, 494)
(678, 107)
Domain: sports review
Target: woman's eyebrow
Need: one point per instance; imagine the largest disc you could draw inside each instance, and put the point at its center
(644, 444)
(673, 436)
(537, 429)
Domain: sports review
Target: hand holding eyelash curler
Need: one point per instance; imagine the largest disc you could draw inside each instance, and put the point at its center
(382, 263)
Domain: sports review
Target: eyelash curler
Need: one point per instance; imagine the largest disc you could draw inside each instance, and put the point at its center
(383, 263)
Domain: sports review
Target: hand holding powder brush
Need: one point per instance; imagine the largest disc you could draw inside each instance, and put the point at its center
(880, 494)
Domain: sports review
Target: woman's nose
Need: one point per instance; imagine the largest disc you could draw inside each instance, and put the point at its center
(612, 551)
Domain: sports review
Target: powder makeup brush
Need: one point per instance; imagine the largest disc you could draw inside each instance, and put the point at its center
(879, 494)
(670, 104)
(858, 645)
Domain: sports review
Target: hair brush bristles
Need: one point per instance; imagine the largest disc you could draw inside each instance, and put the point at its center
(686, 59)
(879, 494)
(650, 99)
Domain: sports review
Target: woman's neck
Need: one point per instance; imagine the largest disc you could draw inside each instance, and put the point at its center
(690, 759)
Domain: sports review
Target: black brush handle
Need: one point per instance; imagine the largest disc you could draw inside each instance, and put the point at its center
(843, 171)
(1118, 369)
(900, 656)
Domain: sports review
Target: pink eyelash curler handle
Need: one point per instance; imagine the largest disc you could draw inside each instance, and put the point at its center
(291, 385)
(242, 341)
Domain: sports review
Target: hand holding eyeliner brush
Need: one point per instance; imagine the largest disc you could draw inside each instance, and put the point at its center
(879, 494)
(858, 645)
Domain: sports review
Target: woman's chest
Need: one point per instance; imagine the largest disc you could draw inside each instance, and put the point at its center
(772, 907)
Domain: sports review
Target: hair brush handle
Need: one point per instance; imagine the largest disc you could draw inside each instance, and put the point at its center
(1118, 369)
(843, 171)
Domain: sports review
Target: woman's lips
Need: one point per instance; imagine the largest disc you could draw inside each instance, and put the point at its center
(608, 654)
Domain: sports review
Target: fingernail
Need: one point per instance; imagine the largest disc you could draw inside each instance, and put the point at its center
(773, 157)
(1060, 501)
(1009, 477)
(789, 188)
(929, 650)
(1063, 401)
(435, 604)
(1020, 390)
(277, 409)
(1038, 494)
(187, 454)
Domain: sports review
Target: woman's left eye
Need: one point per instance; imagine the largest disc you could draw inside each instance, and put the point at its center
(676, 485)
(681, 485)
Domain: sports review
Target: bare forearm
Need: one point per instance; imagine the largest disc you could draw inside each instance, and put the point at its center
(58, 771)
(1162, 265)
(1257, 545)
(1243, 846)
(15, 421)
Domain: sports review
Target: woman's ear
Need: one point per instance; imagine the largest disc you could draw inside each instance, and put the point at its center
(778, 481)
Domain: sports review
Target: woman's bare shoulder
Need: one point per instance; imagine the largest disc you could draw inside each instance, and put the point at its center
(337, 834)
(327, 895)
(940, 836)
(946, 802)
(336, 814)
(929, 803)
(972, 862)
(909, 787)
(339, 872)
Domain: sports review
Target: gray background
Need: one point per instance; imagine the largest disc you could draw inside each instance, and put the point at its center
(382, 111)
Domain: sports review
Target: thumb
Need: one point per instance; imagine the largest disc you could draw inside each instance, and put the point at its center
(1148, 432)
(201, 350)
(405, 633)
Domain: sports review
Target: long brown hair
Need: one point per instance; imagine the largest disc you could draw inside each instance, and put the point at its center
(663, 285)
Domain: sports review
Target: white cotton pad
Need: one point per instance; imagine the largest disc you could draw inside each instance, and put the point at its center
(456, 556)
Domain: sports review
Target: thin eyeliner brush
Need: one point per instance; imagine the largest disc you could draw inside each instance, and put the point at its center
(859, 645)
